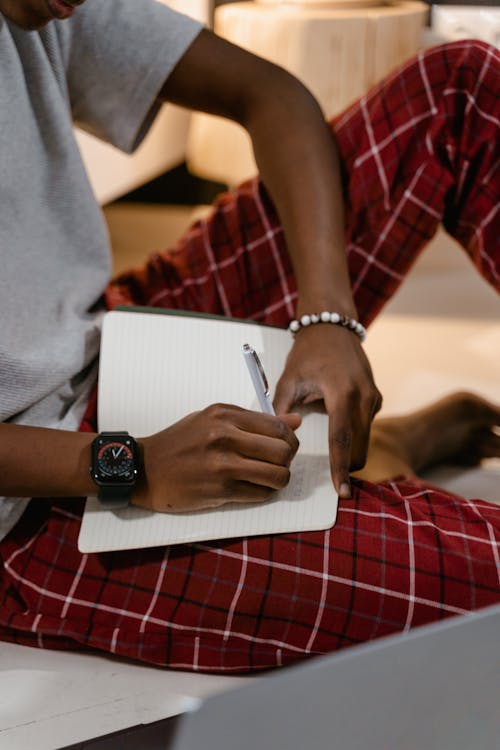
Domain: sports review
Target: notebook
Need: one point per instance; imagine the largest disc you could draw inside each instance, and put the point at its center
(158, 366)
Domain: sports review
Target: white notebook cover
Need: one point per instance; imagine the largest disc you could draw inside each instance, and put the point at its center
(156, 368)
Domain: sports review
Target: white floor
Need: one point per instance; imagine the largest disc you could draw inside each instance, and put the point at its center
(440, 333)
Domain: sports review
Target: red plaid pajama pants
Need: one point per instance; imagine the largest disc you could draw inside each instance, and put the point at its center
(421, 148)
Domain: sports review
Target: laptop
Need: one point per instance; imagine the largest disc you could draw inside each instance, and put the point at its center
(433, 688)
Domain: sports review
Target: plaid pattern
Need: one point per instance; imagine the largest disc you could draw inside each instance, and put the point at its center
(418, 149)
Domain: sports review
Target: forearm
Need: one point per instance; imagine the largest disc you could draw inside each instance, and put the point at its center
(39, 462)
(298, 162)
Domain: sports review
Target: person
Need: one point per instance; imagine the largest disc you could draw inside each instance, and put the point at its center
(354, 211)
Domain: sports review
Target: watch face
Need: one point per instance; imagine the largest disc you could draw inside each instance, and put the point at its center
(116, 461)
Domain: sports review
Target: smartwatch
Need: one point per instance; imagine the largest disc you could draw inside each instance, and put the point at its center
(115, 467)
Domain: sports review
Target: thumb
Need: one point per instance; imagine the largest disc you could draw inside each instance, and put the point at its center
(293, 420)
(284, 397)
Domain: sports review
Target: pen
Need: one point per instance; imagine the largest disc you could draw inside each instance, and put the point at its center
(259, 379)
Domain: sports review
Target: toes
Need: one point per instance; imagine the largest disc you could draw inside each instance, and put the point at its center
(489, 446)
(475, 409)
(481, 444)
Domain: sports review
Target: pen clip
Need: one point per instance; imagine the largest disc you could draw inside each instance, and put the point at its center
(250, 350)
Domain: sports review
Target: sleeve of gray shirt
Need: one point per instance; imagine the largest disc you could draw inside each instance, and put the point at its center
(118, 54)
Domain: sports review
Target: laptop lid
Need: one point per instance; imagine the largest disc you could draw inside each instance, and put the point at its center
(433, 688)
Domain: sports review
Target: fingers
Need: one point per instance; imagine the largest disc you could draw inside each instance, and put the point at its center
(261, 473)
(223, 417)
(239, 492)
(470, 408)
(239, 479)
(267, 449)
(293, 420)
(340, 442)
(284, 397)
(484, 443)
(349, 423)
(245, 492)
(489, 446)
(328, 365)
(249, 446)
(363, 410)
(218, 455)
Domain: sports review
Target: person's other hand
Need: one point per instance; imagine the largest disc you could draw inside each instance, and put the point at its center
(218, 455)
(327, 363)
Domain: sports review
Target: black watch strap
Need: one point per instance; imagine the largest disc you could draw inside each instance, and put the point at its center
(115, 497)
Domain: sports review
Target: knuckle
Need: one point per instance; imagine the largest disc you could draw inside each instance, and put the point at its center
(218, 437)
(282, 477)
(222, 467)
(345, 402)
(217, 411)
(341, 439)
(294, 443)
(349, 398)
(286, 435)
(369, 397)
(378, 401)
(282, 430)
(288, 454)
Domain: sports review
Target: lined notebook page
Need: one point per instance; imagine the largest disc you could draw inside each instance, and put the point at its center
(155, 369)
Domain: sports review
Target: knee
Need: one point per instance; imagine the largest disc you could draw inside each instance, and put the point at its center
(469, 67)
(476, 57)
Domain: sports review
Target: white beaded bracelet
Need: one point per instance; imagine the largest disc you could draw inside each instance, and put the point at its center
(328, 317)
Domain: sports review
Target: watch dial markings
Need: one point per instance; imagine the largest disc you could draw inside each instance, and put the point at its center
(116, 460)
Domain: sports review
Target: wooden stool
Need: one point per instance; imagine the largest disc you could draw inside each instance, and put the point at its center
(338, 50)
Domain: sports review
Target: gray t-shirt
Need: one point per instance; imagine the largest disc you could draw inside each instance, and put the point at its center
(103, 68)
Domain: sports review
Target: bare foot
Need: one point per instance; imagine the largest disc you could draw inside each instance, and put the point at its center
(460, 429)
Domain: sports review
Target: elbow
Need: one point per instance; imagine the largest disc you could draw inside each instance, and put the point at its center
(275, 95)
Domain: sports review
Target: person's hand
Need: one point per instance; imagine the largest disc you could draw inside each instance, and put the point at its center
(327, 363)
(218, 455)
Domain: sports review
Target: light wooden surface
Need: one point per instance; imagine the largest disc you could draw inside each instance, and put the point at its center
(338, 53)
(138, 229)
(325, 3)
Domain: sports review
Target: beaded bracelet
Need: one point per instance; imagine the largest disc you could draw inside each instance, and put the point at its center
(328, 317)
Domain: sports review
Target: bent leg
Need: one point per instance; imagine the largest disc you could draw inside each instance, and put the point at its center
(421, 148)
(232, 263)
